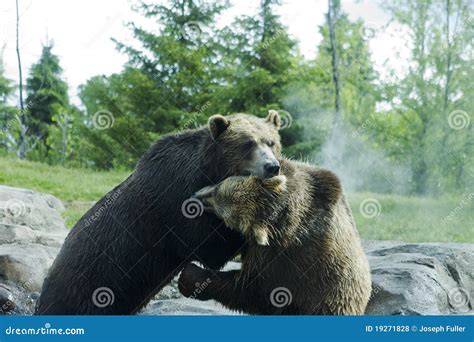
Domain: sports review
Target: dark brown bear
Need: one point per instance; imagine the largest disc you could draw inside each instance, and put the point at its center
(141, 234)
(314, 263)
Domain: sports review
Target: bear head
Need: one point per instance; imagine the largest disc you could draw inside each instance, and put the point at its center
(243, 202)
(250, 145)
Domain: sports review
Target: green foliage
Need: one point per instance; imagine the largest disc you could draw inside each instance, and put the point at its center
(46, 96)
(188, 69)
(259, 56)
(436, 91)
(6, 117)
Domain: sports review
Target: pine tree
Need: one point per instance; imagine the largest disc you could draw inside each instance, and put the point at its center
(259, 55)
(181, 59)
(6, 117)
(46, 94)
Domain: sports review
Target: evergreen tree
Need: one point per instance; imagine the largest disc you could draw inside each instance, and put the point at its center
(181, 59)
(6, 117)
(258, 57)
(46, 94)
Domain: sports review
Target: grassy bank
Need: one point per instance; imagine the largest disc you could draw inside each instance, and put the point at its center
(381, 217)
(413, 219)
(77, 188)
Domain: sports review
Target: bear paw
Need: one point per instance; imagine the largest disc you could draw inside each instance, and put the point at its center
(193, 281)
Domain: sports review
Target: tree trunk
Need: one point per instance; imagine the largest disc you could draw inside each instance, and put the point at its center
(333, 9)
(22, 142)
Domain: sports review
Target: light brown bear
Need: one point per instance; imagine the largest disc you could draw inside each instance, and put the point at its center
(312, 262)
(243, 204)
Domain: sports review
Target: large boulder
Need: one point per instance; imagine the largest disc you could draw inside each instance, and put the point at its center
(31, 234)
(421, 278)
(407, 279)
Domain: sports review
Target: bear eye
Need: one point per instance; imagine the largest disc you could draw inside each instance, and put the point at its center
(249, 144)
(271, 143)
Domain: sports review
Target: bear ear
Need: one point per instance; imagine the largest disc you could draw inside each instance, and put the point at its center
(218, 124)
(274, 118)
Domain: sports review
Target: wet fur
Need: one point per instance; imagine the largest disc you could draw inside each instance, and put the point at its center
(141, 239)
(314, 251)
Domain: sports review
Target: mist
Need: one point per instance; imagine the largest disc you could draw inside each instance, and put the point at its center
(361, 167)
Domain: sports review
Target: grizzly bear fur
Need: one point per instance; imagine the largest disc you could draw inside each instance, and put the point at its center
(245, 203)
(314, 263)
(137, 238)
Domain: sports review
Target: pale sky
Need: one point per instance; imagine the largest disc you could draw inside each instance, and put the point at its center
(81, 31)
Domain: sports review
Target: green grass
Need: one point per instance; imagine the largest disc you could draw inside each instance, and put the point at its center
(410, 219)
(77, 188)
(414, 219)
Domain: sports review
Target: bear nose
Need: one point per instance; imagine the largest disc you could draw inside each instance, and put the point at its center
(272, 169)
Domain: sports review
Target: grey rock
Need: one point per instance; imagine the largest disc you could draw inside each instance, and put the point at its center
(31, 234)
(421, 279)
(32, 209)
(407, 279)
(6, 299)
